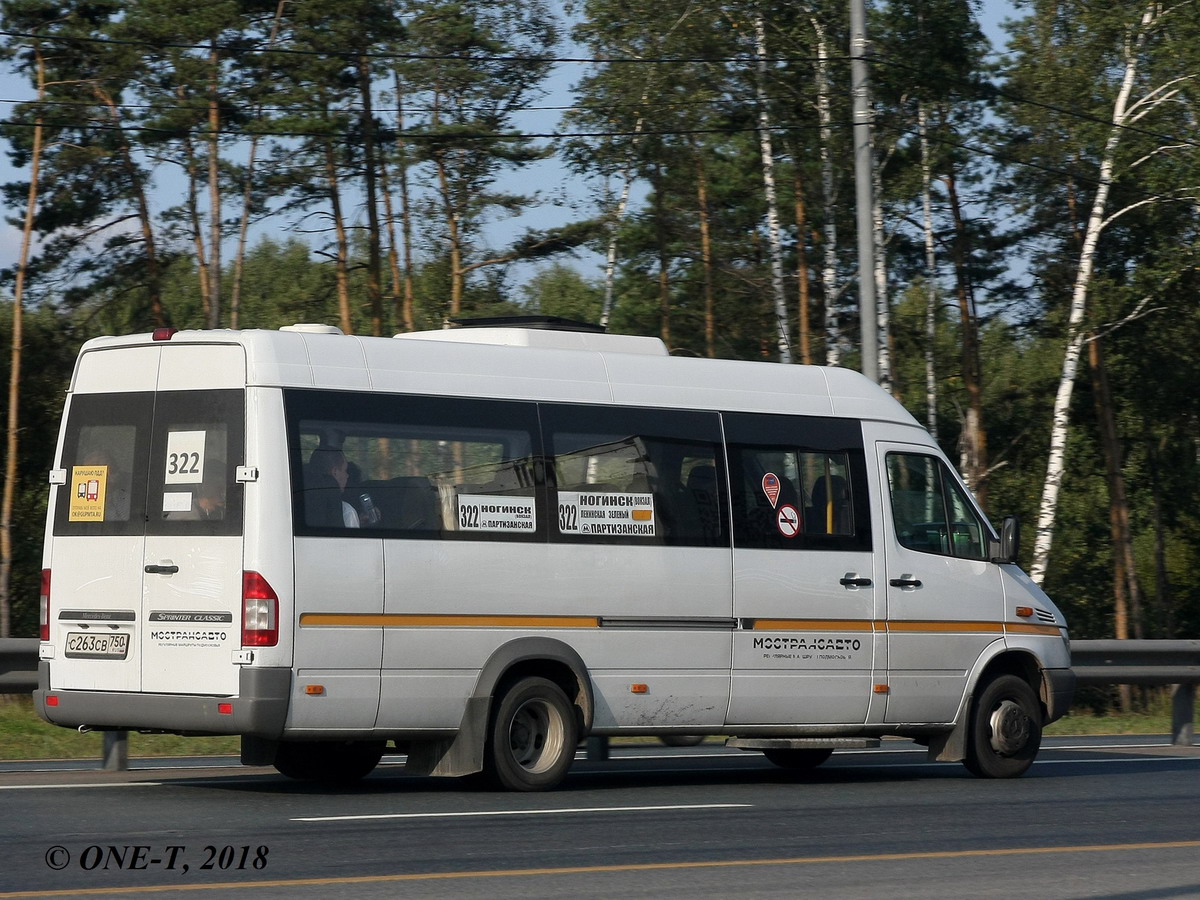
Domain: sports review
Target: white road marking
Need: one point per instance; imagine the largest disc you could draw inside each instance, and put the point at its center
(522, 812)
(52, 787)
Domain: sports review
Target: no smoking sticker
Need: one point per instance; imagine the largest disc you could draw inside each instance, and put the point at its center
(787, 519)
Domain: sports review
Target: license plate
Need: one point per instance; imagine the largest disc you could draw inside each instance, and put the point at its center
(103, 646)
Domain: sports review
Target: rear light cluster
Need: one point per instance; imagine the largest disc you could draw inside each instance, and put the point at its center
(44, 608)
(260, 612)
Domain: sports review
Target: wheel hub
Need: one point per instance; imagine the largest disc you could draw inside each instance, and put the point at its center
(529, 733)
(1011, 728)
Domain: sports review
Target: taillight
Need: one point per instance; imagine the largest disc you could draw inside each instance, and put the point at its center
(44, 607)
(260, 612)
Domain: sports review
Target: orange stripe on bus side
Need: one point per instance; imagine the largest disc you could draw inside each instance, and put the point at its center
(396, 620)
(947, 627)
(1024, 628)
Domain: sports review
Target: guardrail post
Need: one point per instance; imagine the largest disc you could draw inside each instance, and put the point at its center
(116, 751)
(1183, 704)
(597, 748)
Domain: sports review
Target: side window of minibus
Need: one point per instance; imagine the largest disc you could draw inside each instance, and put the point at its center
(788, 498)
(797, 482)
(629, 475)
(414, 467)
(930, 510)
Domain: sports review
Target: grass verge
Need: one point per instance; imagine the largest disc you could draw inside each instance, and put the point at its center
(23, 735)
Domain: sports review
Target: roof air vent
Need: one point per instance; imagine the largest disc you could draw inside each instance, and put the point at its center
(546, 323)
(312, 328)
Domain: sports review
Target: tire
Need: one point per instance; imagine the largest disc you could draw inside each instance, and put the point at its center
(328, 762)
(681, 740)
(531, 737)
(798, 759)
(1005, 729)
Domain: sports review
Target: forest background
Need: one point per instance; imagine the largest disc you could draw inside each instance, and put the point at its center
(254, 163)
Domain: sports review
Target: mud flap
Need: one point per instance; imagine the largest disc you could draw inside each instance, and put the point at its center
(460, 755)
(950, 746)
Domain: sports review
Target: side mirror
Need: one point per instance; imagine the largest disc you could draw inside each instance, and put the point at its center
(1009, 545)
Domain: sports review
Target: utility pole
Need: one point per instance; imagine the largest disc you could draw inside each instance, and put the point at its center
(862, 189)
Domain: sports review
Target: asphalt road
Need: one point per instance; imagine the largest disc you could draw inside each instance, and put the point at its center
(1094, 818)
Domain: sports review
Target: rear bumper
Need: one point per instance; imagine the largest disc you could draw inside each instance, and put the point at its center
(259, 709)
(1059, 688)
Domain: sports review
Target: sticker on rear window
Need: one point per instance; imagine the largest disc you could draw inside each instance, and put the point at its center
(90, 485)
(185, 457)
(177, 501)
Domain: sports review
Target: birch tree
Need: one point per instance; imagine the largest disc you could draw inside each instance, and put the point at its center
(931, 283)
(766, 152)
(1126, 111)
(829, 266)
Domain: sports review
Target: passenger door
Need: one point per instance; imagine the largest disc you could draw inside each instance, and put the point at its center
(804, 591)
(339, 571)
(192, 565)
(99, 538)
(944, 599)
(640, 539)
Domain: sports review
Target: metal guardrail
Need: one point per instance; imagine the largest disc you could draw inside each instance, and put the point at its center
(1136, 662)
(1175, 663)
(1105, 662)
(18, 665)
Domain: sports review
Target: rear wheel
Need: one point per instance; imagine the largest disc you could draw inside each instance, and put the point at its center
(328, 762)
(798, 758)
(1005, 730)
(532, 737)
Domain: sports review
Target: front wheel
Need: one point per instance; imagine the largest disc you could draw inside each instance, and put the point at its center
(328, 762)
(1005, 729)
(532, 738)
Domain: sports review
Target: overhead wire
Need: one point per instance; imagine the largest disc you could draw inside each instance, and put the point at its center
(414, 57)
(989, 89)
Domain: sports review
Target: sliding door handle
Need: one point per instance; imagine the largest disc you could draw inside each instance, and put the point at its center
(851, 580)
(905, 581)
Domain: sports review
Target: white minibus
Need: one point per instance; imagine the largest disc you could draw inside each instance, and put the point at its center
(480, 545)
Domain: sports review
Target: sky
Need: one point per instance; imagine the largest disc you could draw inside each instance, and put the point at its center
(563, 197)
